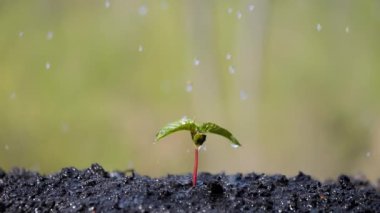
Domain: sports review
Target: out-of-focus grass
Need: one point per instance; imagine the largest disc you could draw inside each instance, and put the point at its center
(300, 99)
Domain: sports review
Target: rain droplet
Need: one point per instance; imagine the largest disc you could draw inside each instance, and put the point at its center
(243, 95)
(196, 62)
(347, 29)
(47, 66)
(230, 10)
(143, 10)
(228, 56)
(12, 96)
(319, 27)
(189, 86)
(141, 48)
(6, 147)
(239, 15)
(164, 5)
(65, 128)
(21, 34)
(368, 154)
(234, 146)
(231, 69)
(251, 7)
(49, 35)
(107, 4)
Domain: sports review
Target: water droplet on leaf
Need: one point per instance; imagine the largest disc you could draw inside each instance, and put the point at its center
(184, 119)
(319, 27)
(234, 146)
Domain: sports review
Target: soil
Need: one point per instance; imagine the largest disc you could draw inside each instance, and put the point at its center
(96, 190)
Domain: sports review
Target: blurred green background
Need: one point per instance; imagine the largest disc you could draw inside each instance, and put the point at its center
(297, 82)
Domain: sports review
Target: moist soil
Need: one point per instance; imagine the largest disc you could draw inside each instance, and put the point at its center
(96, 190)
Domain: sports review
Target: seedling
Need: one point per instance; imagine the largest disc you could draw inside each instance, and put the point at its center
(198, 135)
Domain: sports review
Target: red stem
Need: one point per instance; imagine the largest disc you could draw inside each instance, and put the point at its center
(195, 171)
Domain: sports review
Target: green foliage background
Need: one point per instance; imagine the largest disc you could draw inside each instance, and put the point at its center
(300, 99)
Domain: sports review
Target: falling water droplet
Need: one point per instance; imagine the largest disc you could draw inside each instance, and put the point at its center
(6, 147)
(143, 10)
(243, 95)
(368, 154)
(239, 15)
(141, 48)
(251, 7)
(189, 86)
(230, 10)
(47, 66)
(65, 128)
(231, 69)
(197, 62)
(228, 56)
(319, 27)
(234, 146)
(107, 4)
(21, 34)
(49, 35)
(12, 96)
(347, 29)
(164, 5)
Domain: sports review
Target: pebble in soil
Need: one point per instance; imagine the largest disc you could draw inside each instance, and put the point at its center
(96, 190)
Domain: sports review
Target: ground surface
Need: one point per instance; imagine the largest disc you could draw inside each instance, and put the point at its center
(95, 190)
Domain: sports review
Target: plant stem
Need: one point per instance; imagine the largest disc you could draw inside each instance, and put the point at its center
(195, 171)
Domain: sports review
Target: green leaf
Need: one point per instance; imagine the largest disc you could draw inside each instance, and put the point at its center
(213, 128)
(183, 124)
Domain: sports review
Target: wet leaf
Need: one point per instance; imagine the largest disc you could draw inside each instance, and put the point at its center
(213, 128)
(183, 124)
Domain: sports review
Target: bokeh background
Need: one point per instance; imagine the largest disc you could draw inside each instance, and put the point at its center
(297, 82)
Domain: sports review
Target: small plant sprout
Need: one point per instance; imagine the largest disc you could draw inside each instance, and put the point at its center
(198, 135)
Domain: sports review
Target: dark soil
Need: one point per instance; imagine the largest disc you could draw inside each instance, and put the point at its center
(95, 190)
